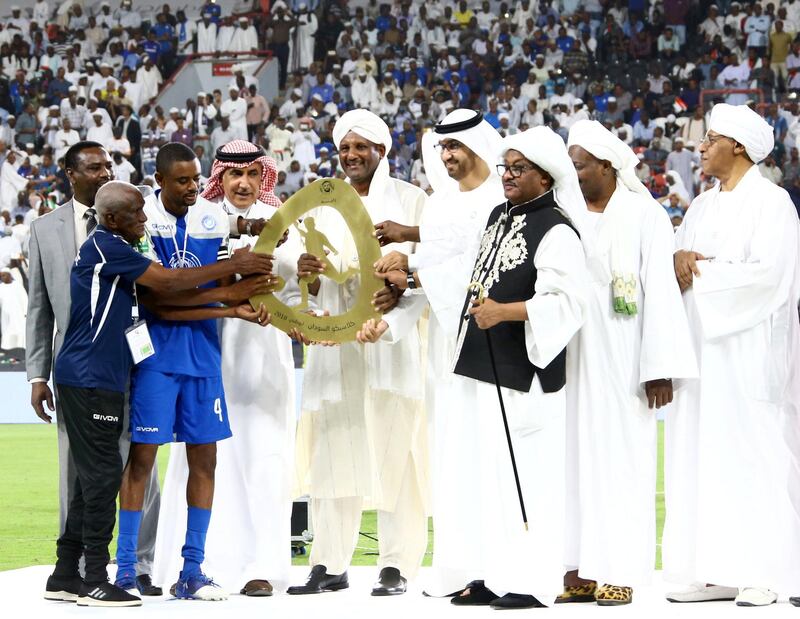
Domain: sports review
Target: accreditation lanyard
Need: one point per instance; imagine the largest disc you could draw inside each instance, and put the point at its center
(137, 335)
(135, 306)
(181, 262)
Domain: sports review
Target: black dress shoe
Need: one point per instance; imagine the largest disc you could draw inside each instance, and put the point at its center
(795, 601)
(319, 580)
(516, 600)
(146, 587)
(478, 595)
(390, 582)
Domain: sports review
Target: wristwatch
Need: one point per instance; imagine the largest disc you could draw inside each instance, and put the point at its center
(248, 227)
(411, 281)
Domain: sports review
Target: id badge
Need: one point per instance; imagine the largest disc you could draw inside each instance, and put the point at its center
(139, 341)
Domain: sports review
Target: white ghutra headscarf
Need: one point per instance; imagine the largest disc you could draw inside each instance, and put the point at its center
(477, 135)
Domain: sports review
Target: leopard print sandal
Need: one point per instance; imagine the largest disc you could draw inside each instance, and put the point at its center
(581, 594)
(612, 595)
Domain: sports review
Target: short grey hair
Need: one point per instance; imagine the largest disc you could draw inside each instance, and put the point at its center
(114, 196)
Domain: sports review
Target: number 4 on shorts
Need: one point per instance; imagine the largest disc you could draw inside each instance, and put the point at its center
(218, 408)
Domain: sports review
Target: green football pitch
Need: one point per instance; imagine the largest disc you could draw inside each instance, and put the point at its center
(29, 500)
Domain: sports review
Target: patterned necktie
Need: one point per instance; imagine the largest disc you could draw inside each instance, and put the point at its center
(91, 221)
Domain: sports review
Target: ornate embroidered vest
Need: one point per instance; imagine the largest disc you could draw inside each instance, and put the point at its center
(505, 270)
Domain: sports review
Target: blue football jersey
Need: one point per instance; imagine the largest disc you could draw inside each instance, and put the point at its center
(197, 239)
(94, 353)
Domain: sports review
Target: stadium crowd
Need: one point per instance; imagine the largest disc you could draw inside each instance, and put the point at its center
(85, 70)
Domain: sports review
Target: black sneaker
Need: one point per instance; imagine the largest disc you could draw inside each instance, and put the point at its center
(106, 594)
(146, 587)
(62, 588)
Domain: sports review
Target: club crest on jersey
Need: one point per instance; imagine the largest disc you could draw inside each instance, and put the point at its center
(208, 222)
(184, 260)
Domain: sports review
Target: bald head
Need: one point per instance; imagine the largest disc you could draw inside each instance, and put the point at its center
(115, 196)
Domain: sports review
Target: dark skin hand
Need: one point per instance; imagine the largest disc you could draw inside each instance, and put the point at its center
(251, 263)
(256, 226)
(250, 287)
(686, 267)
(298, 335)
(232, 294)
(308, 264)
(386, 298)
(392, 232)
(486, 313)
(284, 238)
(392, 261)
(259, 316)
(659, 392)
(396, 279)
(40, 393)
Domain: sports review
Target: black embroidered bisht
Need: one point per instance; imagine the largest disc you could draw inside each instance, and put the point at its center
(505, 269)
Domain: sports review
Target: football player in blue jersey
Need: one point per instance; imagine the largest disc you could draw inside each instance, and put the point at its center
(177, 394)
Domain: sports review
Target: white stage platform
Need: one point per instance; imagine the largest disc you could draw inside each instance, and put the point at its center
(22, 590)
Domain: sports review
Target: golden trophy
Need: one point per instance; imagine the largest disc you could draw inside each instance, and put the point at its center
(336, 194)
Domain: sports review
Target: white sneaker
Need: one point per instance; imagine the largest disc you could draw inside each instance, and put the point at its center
(753, 596)
(704, 593)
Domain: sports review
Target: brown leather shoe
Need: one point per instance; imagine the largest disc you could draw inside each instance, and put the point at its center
(257, 588)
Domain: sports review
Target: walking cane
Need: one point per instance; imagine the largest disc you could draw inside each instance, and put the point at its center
(478, 290)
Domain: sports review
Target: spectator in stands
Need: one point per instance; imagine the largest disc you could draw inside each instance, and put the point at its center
(771, 171)
(123, 170)
(99, 132)
(245, 38)
(27, 126)
(757, 27)
(149, 77)
(681, 162)
(65, 137)
(280, 26)
(207, 34)
(791, 169)
(119, 143)
(223, 134)
(235, 108)
(643, 129)
(182, 133)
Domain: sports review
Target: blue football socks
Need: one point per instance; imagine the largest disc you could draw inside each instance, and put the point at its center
(127, 541)
(193, 551)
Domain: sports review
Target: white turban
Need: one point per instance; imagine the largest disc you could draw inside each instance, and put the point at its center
(370, 127)
(742, 124)
(481, 139)
(366, 124)
(598, 141)
(542, 146)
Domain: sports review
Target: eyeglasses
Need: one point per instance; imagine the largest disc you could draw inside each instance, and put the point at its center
(451, 146)
(713, 139)
(515, 170)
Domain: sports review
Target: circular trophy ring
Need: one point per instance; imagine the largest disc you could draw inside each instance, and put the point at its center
(337, 194)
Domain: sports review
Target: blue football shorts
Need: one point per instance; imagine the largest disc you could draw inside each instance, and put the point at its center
(177, 407)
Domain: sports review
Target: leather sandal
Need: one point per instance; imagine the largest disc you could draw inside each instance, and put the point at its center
(257, 588)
